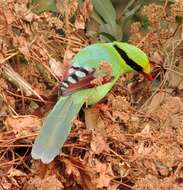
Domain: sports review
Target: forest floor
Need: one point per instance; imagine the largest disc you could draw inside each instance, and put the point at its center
(133, 141)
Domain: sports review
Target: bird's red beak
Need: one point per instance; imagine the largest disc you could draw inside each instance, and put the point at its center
(148, 76)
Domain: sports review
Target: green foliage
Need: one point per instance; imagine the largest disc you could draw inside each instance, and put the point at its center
(106, 10)
(143, 20)
(115, 16)
(44, 5)
(114, 30)
(112, 21)
(108, 36)
(105, 14)
(178, 19)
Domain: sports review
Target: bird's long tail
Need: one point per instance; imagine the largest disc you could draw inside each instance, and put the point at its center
(55, 129)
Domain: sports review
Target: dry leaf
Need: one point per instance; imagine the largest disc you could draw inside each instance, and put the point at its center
(56, 67)
(98, 81)
(24, 13)
(113, 187)
(120, 103)
(98, 144)
(51, 183)
(146, 130)
(69, 54)
(114, 132)
(143, 150)
(105, 177)
(157, 100)
(103, 74)
(19, 81)
(68, 7)
(23, 45)
(71, 169)
(23, 125)
(16, 173)
(48, 183)
(121, 116)
(5, 184)
(149, 182)
(84, 14)
(156, 58)
(80, 22)
(106, 68)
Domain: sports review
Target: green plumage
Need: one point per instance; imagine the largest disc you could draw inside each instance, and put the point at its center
(58, 124)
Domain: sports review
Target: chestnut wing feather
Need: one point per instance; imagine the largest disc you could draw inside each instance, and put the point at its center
(77, 78)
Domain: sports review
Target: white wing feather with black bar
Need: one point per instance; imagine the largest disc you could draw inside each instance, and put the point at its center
(76, 78)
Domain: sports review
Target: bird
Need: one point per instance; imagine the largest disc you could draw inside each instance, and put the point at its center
(78, 88)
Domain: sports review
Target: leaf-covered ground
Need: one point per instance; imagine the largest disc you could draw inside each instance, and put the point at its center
(133, 140)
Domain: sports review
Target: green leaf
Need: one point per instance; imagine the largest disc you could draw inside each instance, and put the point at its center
(108, 36)
(106, 10)
(144, 23)
(114, 30)
(178, 19)
(96, 17)
(133, 11)
(44, 5)
(125, 10)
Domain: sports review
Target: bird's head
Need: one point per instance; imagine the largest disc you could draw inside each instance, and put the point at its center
(135, 59)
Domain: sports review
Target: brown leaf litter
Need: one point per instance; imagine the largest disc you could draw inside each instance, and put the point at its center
(120, 146)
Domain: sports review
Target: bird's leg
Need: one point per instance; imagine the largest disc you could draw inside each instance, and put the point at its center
(101, 106)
